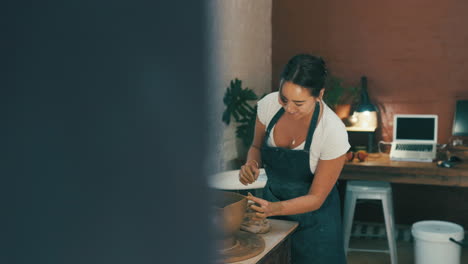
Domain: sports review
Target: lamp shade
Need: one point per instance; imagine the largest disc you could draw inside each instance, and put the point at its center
(365, 103)
(365, 116)
(366, 121)
(366, 107)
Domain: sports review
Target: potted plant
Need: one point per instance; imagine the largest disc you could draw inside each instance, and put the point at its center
(340, 97)
(236, 100)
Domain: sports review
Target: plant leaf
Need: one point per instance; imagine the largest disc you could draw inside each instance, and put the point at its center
(226, 117)
(236, 101)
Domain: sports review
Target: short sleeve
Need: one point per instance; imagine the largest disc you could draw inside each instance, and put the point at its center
(265, 107)
(336, 143)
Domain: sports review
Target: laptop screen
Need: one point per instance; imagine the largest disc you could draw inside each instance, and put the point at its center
(460, 122)
(415, 127)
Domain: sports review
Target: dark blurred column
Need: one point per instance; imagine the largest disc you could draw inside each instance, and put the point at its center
(103, 132)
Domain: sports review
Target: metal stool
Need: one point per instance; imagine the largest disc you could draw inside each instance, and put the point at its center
(370, 190)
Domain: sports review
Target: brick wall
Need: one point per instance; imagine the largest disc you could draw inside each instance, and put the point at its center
(415, 55)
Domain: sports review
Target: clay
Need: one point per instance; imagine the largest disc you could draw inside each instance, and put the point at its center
(254, 226)
(230, 208)
(233, 244)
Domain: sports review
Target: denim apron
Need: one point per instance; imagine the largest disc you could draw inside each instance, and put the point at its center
(319, 238)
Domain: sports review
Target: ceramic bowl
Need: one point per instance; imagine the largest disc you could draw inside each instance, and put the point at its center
(230, 208)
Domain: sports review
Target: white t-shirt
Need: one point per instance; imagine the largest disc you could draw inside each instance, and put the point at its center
(330, 138)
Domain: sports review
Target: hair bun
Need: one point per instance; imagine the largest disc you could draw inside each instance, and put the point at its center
(307, 71)
(325, 70)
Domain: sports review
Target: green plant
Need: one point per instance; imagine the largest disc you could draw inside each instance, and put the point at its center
(337, 93)
(236, 101)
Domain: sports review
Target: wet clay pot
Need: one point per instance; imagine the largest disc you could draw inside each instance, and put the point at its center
(229, 210)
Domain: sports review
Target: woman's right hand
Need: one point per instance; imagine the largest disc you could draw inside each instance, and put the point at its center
(249, 172)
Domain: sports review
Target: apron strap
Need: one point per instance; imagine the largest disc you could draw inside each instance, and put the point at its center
(273, 122)
(310, 133)
(313, 124)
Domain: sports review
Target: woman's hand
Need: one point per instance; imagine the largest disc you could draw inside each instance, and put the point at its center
(265, 208)
(249, 172)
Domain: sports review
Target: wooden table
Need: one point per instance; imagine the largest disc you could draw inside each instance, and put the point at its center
(277, 244)
(379, 167)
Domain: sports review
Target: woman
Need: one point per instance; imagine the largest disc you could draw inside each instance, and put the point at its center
(301, 143)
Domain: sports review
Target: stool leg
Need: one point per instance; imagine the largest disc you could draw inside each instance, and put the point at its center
(350, 203)
(387, 205)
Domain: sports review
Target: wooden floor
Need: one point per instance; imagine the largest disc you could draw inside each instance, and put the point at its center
(405, 252)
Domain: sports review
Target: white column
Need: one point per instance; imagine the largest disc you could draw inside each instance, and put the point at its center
(239, 37)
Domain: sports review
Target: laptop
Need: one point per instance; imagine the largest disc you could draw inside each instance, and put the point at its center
(414, 138)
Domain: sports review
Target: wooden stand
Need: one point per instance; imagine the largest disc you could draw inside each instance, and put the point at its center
(369, 132)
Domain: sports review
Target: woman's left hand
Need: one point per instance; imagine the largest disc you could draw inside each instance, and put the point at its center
(265, 208)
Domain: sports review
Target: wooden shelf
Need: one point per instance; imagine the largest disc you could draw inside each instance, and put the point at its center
(360, 129)
(379, 167)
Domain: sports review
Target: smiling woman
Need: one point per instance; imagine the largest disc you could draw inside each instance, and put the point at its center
(299, 107)
(296, 100)
(301, 143)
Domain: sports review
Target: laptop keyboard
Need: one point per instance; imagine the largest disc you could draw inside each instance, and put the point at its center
(414, 147)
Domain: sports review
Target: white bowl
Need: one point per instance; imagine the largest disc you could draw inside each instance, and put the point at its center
(229, 180)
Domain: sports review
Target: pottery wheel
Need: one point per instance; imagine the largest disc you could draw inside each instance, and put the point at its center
(247, 246)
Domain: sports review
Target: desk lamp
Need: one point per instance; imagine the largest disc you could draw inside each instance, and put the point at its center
(365, 115)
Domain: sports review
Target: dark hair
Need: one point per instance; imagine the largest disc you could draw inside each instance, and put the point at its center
(306, 71)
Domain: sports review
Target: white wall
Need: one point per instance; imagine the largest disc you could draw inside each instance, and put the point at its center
(240, 47)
